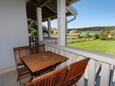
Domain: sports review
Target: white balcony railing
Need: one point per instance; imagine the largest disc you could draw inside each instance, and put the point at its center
(99, 65)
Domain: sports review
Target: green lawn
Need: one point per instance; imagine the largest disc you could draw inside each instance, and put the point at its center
(104, 46)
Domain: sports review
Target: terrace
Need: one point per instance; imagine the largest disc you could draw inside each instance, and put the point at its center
(14, 32)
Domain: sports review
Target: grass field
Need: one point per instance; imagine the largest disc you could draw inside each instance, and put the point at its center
(104, 46)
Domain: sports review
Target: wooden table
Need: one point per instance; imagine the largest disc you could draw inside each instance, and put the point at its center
(37, 62)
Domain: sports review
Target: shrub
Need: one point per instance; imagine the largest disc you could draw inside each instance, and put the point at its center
(112, 33)
(45, 31)
(96, 36)
(104, 34)
(87, 35)
(78, 35)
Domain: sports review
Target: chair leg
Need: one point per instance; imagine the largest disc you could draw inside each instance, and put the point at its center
(20, 83)
(75, 84)
(18, 80)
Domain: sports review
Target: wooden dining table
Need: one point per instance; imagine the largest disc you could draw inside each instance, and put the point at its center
(40, 61)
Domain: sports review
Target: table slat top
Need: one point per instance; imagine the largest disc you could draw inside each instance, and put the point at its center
(37, 62)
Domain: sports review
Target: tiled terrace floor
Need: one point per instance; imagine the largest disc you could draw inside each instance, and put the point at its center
(8, 79)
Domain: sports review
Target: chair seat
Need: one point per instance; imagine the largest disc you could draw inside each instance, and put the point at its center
(20, 63)
(75, 72)
(46, 70)
(23, 71)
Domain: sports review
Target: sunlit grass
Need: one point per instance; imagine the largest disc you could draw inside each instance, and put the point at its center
(104, 46)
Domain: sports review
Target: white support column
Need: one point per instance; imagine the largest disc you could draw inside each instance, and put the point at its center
(61, 21)
(66, 34)
(39, 20)
(49, 27)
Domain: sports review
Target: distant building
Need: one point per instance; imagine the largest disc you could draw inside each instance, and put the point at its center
(72, 31)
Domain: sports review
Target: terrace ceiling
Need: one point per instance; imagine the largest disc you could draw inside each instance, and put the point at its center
(49, 8)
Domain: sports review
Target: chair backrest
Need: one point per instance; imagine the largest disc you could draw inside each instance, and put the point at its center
(20, 52)
(53, 78)
(41, 48)
(75, 71)
(37, 49)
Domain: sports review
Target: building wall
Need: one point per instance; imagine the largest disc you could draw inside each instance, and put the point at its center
(13, 30)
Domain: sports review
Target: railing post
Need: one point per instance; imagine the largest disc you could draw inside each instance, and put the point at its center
(46, 47)
(81, 81)
(91, 72)
(105, 73)
(112, 77)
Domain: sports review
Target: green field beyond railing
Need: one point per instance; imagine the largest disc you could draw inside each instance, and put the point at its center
(104, 46)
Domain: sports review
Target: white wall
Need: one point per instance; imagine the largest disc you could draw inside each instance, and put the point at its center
(13, 29)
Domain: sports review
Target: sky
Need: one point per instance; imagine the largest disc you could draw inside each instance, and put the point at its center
(92, 13)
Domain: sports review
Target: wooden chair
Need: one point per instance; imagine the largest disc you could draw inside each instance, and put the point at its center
(53, 78)
(37, 49)
(18, 53)
(75, 72)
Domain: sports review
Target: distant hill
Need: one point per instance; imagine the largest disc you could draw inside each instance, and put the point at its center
(98, 28)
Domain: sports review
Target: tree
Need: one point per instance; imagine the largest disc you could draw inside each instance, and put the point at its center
(32, 32)
(32, 27)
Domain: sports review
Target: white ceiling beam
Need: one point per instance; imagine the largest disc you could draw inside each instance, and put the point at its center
(51, 9)
(72, 10)
(73, 1)
(45, 3)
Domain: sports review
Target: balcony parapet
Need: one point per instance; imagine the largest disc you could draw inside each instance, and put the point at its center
(101, 64)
